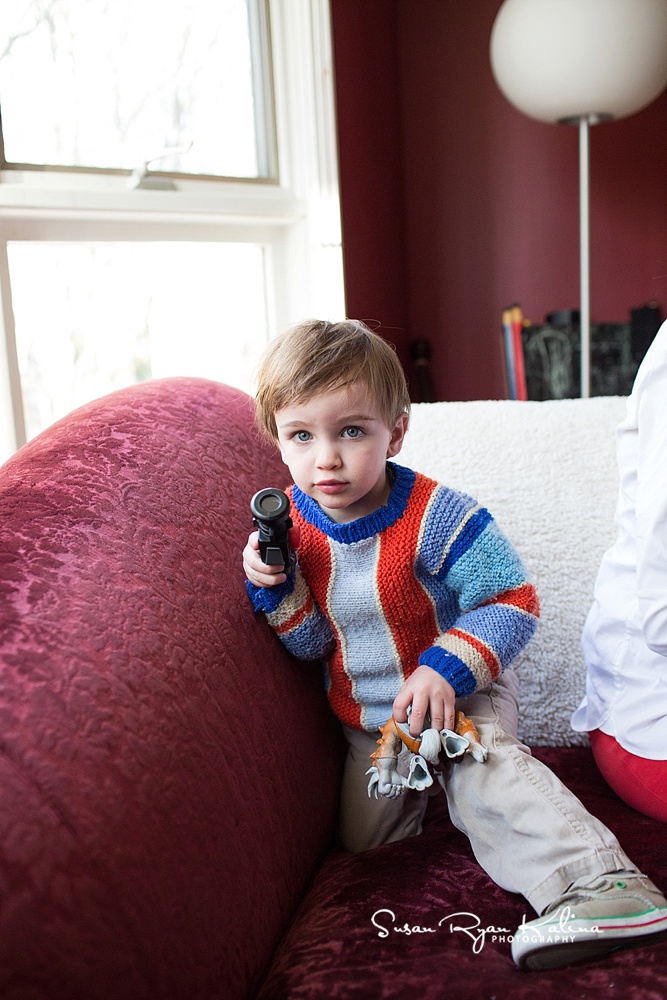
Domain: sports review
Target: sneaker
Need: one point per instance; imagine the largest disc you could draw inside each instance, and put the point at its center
(613, 911)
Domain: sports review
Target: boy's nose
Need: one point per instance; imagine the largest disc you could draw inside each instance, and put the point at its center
(328, 456)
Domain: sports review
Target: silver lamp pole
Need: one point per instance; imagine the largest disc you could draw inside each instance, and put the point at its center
(584, 122)
(584, 258)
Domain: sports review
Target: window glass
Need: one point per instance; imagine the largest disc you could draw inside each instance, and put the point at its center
(113, 83)
(111, 314)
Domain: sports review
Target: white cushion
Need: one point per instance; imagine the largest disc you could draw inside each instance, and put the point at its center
(547, 472)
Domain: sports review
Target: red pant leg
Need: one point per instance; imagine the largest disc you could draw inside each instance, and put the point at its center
(640, 782)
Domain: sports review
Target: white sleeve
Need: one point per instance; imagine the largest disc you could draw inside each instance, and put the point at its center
(651, 509)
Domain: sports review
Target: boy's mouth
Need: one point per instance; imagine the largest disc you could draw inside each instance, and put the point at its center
(331, 486)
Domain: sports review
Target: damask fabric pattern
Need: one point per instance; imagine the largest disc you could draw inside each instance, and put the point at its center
(420, 919)
(135, 767)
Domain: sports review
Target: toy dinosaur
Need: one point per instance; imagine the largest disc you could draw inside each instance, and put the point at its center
(425, 749)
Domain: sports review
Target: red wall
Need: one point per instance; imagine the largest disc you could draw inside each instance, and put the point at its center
(455, 204)
(368, 98)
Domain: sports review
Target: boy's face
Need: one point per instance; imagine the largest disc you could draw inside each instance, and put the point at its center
(336, 445)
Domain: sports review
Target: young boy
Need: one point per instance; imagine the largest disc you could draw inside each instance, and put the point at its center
(417, 600)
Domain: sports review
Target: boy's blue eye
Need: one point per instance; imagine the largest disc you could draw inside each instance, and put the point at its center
(302, 435)
(353, 432)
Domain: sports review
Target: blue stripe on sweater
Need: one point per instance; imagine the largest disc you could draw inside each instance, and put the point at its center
(447, 509)
(451, 668)
(312, 639)
(269, 598)
(368, 652)
(487, 568)
(465, 540)
(504, 629)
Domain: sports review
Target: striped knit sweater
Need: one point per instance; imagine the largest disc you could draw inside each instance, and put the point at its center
(427, 579)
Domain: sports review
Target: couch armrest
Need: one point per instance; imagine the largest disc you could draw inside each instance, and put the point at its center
(169, 772)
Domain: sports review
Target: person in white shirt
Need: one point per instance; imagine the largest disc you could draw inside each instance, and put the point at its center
(625, 636)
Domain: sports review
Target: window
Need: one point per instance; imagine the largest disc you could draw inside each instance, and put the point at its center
(109, 314)
(173, 202)
(116, 83)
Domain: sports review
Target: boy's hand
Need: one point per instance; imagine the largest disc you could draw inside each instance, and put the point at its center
(428, 693)
(257, 571)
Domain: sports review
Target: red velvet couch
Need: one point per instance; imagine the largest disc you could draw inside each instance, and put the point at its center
(169, 775)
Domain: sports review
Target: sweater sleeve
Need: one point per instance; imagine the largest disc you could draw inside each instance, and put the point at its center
(295, 617)
(486, 607)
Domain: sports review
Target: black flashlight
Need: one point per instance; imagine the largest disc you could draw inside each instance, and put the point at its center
(270, 514)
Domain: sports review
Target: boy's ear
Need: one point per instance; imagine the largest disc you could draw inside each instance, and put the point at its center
(398, 435)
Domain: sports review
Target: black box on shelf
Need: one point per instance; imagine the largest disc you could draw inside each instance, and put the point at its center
(552, 360)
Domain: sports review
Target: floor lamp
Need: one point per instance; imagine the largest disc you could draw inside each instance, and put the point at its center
(580, 62)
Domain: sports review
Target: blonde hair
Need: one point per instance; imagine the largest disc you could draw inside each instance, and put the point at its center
(317, 356)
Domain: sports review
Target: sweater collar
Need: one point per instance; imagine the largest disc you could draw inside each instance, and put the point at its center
(363, 527)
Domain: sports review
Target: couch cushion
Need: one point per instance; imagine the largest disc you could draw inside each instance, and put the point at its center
(344, 945)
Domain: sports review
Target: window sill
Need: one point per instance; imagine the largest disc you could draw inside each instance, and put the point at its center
(24, 194)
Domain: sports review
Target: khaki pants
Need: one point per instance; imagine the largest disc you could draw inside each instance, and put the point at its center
(527, 830)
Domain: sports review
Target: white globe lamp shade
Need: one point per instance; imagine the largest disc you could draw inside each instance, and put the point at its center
(559, 60)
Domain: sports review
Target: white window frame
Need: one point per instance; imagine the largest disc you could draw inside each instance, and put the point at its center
(296, 219)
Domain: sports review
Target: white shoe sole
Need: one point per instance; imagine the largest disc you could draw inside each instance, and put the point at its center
(550, 944)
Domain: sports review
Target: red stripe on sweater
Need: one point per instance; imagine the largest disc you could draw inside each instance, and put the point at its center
(525, 598)
(297, 618)
(487, 654)
(406, 605)
(316, 564)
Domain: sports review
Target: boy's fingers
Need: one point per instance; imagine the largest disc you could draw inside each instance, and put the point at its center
(257, 572)
(437, 719)
(265, 579)
(399, 707)
(417, 717)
